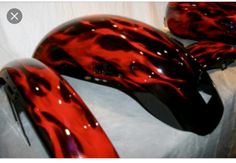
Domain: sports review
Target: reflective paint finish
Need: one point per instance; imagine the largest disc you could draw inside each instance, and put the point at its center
(212, 54)
(139, 60)
(60, 116)
(203, 20)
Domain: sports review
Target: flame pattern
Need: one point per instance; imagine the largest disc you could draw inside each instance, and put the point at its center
(124, 53)
(134, 57)
(214, 21)
(58, 112)
(212, 54)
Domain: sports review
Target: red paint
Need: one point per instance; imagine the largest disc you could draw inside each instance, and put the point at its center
(212, 54)
(203, 20)
(54, 107)
(122, 51)
(138, 59)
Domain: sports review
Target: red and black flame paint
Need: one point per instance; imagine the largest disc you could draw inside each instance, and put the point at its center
(139, 60)
(67, 125)
(212, 54)
(214, 21)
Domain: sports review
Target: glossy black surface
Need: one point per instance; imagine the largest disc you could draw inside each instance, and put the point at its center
(63, 121)
(139, 60)
(212, 54)
(213, 21)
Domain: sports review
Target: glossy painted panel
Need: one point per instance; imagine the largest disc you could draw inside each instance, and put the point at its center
(203, 20)
(212, 54)
(139, 60)
(65, 123)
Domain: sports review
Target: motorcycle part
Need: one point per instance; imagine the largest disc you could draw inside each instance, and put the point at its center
(139, 60)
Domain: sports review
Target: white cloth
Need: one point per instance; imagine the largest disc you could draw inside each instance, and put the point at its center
(133, 131)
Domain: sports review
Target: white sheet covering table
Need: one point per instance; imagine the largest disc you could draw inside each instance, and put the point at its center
(133, 131)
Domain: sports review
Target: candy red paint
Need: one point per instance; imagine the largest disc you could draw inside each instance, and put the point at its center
(57, 111)
(140, 60)
(122, 51)
(212, 54)
(203, 20)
